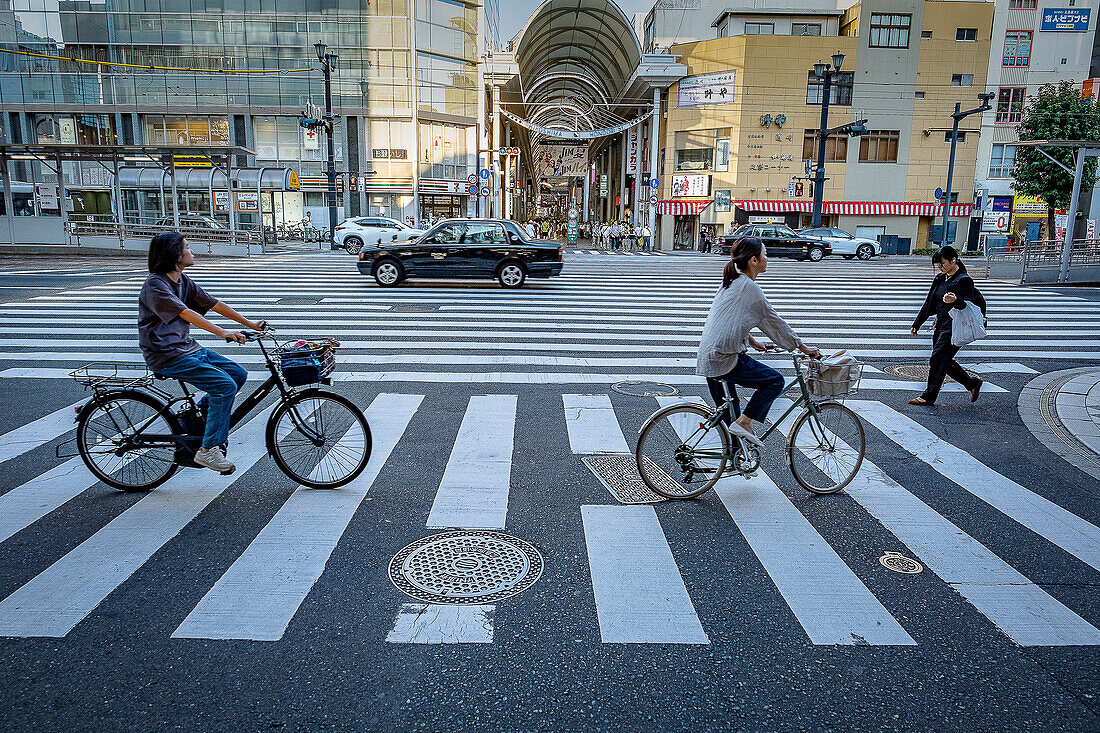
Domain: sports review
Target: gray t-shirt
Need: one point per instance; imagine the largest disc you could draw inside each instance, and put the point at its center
(735, 312)
(163, 335)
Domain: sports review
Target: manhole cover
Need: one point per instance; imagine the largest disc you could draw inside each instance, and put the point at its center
(618, 472)
(298, 301)
(916, 372)
(900, 563)
(466, 567)
(645, 389)
(414, 308)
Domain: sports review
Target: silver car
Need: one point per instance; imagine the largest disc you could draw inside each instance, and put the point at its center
(353, 234)
(845, 244)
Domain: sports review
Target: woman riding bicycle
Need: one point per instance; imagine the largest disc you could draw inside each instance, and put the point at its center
(169, 304)
(740, 306)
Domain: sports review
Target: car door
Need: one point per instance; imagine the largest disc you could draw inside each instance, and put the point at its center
(843, 242)
(776, 247)
(429, 256)
(483, 247)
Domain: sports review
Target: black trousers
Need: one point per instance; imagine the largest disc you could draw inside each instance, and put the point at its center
(942, 364)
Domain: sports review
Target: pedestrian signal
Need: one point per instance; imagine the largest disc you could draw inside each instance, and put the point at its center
(798, 189)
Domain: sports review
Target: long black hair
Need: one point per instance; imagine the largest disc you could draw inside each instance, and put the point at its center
(743, 250)
(165, 251)
(948, 253)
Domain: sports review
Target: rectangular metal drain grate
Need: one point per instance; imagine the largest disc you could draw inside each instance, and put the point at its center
(414, 308)
(299, 301)
(619, 473)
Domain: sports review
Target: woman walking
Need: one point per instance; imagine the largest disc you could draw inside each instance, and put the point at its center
(951, 290)
(740, 306)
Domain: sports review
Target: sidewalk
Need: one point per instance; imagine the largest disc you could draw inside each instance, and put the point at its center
(1062, 410)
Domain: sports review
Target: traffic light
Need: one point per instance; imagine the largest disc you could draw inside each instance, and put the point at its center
(353, 184)
(798, 189)
(309, 123)
(856, 130)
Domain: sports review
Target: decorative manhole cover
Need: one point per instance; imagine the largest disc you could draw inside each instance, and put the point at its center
(618, 472)
(916, 372)
(900, 563)
(414, 308)
(298, 301)
(466, 567)
(645, 389)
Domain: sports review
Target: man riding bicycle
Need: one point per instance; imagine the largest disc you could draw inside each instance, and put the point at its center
(169, 304)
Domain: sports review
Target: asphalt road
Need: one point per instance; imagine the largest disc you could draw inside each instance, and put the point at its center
(128, 571)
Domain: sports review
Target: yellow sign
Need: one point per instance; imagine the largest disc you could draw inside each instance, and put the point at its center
(1029, 206)
(292, 182)
(191, 161)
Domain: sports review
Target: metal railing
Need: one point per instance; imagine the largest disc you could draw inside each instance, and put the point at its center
(98, 226)
(1046, 255)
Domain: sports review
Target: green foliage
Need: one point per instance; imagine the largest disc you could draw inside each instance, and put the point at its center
(924, 251)
(1057, 112)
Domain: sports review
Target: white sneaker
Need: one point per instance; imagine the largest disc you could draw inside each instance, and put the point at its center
(740, 432)
(214, 459)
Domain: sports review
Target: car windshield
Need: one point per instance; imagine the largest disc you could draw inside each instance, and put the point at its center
(784, 231)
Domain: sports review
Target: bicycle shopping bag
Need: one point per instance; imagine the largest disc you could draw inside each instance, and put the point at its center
(968, 324)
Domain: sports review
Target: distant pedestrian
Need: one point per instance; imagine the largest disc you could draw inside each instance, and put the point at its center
(530, 229)
(647, 236)
(951, 290)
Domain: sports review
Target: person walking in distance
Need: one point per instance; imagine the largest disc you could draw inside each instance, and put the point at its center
(951, 289)
(740, 306)
(646, 234)
(169, 304)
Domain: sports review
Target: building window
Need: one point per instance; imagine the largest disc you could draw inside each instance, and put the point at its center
(966, 34)
(890, 30)
(1010, 105)
(918, 95)
(695, 150)
(962, 80)
(840, 88)
(759, 29)
(805, 29)
(1002, 161)
(926, 34)
(947, 137)
(1017, 48)
(1015, 4)
(836, 147)
(879, 146)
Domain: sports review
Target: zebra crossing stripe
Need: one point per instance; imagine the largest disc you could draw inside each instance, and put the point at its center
(58, 598)
(420, 623)
(26, 504)
(640, 595)
(474, 491)
(591, 424)
(262, 590)
(37, 432)
(1042, 516)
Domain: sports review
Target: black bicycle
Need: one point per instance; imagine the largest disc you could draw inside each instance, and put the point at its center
(133, 435)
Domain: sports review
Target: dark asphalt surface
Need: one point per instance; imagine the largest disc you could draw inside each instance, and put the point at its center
(546, 669)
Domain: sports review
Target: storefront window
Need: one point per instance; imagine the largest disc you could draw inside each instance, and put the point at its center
(695, 150)
(444, 151)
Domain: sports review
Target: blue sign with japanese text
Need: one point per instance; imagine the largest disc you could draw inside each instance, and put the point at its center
(1065, 19)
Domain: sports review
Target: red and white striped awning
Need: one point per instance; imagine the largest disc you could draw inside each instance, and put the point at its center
(866, 208)
(682, 207)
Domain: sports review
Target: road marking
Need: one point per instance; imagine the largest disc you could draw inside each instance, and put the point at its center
(640, 596)
(997, 367)
(591, 424)
(26, 504)
(263, 589)
(58, 598)
(473, 493)
(37, 432)
(419, 623)
(1042, 516)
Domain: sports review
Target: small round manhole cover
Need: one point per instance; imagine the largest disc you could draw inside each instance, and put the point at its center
(645, 389)
(900, 563)
(916, 372)
(466, 567)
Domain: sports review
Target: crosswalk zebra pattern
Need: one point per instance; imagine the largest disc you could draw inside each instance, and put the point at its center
(638, 591)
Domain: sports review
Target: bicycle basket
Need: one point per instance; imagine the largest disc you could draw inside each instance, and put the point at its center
(833, 378)
(306, 362)
(114, 376)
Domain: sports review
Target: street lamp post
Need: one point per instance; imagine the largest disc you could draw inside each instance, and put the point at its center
(328, 63)
(956, 116)
(824, 72)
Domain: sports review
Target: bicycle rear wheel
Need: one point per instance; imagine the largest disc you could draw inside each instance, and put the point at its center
(826, 451)
(678, 457)
(319, 438)
(105, 434)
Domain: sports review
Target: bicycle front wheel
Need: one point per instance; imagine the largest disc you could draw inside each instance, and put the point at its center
(320, 439)
(678, 456)
(826, 449)
(106, 435)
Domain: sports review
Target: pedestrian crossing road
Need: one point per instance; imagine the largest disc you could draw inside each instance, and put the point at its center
(482, 403)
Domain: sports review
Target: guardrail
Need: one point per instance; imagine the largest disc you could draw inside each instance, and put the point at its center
(1043, 258)
(101, 228)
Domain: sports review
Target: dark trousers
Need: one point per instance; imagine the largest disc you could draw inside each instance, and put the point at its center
(942, 364)
(767, 382)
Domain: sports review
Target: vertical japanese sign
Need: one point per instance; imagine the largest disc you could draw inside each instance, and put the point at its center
(633, 152)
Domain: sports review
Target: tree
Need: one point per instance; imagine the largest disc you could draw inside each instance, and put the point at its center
(1057, 112)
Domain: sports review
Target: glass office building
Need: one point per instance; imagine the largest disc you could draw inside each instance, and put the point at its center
(405, 89)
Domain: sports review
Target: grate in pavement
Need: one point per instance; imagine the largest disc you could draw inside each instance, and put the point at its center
(414, 308)
(618, 472)
(916, 372)
(645, 389)
(900, 563)
(298, 301)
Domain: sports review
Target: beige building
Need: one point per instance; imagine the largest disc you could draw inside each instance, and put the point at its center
(739, 130)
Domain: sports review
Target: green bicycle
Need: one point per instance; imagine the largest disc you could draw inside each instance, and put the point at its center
(683, 449)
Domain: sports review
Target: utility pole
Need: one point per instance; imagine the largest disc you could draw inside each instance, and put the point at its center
(955, 118)
(328, 63)
(825, 72)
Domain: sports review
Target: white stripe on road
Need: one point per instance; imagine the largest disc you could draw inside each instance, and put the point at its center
(260, 593)
(1042, 516)
(37, 432)
(59, 597)
(26, 504)
(999, 367)
(591, 424)
(419, 623)
(474, 491)
(640, 595)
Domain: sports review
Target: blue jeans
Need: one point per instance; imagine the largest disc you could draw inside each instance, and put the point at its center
(220, 379)
(748, 372)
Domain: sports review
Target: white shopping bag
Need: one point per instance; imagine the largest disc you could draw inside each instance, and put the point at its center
(968, 324)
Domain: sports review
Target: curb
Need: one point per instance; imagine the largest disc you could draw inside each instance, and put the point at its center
(1038, 408)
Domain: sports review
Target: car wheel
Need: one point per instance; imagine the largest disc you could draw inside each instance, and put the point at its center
(354, 245)
(511, 274)
(388, 273)
(865, 252)
(816, 253)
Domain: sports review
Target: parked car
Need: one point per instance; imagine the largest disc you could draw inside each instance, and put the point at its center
(844, 244)
(491, 248)
(780, 241)
(361, 231)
